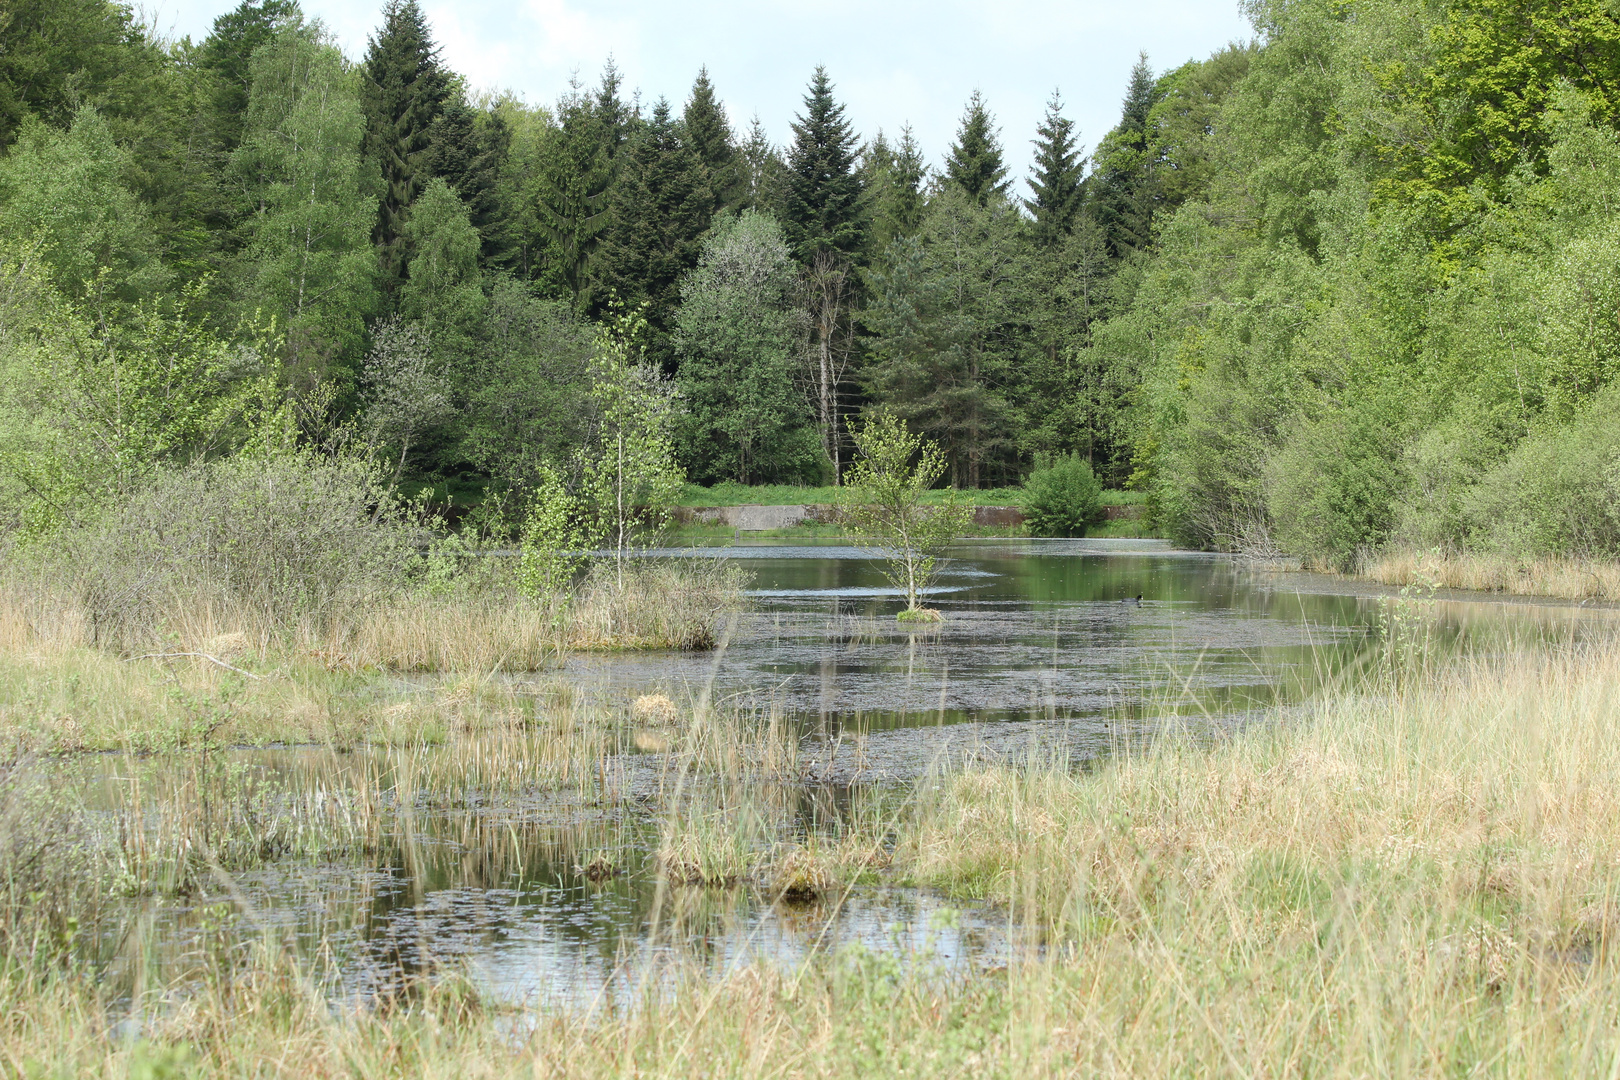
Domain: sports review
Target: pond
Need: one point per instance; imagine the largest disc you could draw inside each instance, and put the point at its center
(1068, 647)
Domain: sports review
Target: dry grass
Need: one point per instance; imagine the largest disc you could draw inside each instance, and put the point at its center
(1415, 878)
(1565, 578)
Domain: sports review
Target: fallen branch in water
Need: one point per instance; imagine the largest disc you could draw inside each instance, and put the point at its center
(202, 655)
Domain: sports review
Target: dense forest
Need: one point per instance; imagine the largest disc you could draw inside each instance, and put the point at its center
(1353, 284)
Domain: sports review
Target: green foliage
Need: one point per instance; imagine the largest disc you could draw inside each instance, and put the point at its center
(946, 322)
(661, 206)
(577, 165)
(66, 188)
(1352, 283)
(404, 396)
(974, 161)
(527, 388)
(822, 211)
(1332, 485)
(893, 177)
(404, 91)
(886, 506)
(1062, 498)
(1055, 185)
(1122, 182)
(56, 56)
(228, 54)
(708, 132)
(309, 263)
(1558, 491)
(629, 479)
(274, 543)
(445, 290)
(88, 411)
(553, 546)
(738, 339)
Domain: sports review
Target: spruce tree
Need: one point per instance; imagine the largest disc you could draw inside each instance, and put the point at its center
(1123, 182)
(822, 211)
(764, 174)
(708, 133)
(661, 208)
(974, 163)
(467, 148)
(894, 177)
(404, 91)
(226, 52)
(1059, 162)
(578, 170)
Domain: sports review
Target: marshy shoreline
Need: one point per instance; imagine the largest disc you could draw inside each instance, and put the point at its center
(1410, 870)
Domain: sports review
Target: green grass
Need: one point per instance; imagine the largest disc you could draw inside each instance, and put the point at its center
(733, 494)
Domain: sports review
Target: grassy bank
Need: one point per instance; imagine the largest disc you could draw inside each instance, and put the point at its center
(1565, 578)
(731, 494)
(1418, 875)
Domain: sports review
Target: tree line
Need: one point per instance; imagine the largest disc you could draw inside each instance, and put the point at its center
(1348, 284)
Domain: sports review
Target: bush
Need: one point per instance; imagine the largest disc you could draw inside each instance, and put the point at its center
(292, 544)
(1557, 492)
(1332, 487)
(1062, 499)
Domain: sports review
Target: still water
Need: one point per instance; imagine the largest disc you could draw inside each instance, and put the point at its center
(1044, 646)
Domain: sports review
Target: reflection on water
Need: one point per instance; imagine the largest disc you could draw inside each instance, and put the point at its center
(1043, 642)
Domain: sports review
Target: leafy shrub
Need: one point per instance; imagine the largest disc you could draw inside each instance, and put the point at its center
(1558, 491)
(1331, 488)
(1063, 498)
(294, 543)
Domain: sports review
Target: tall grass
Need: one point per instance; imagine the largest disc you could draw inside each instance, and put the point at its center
(1411, 876)
(1565, 577)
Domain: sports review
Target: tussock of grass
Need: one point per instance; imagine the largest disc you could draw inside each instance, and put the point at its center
(1565, 578)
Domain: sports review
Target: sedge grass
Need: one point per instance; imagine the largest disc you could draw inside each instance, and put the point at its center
(1415, 876)
(1566, 578)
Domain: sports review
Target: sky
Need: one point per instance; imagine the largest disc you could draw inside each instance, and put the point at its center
(892, 62)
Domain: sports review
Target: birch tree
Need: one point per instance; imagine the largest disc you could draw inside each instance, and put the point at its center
(310, 261)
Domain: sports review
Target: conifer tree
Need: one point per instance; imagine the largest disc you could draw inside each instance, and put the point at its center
(1056, 190)
(574, 190)
(975, 163)
(894, 180)
(404, 91)
(763, 185)
(708, 133)
(227, 51)
(822, 211)
(661, 208)
(1123, 182)
(468, 148)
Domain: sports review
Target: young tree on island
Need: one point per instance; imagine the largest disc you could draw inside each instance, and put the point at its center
(893, 472)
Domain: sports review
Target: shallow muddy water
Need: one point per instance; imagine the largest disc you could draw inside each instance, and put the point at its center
(1044, 645)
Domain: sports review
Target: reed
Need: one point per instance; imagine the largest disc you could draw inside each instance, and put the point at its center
(1562, 577)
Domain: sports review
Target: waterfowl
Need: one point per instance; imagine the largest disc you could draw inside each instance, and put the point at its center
(1137, 599)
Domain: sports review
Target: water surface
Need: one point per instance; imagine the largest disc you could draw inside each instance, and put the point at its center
(1044, 644)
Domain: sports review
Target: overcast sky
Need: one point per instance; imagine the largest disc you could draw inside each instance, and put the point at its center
(892, 62)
